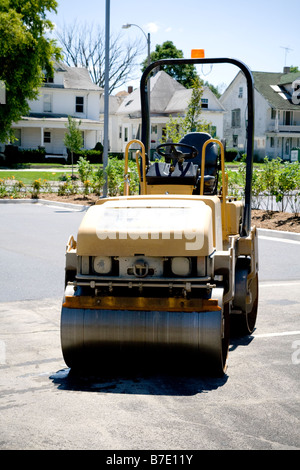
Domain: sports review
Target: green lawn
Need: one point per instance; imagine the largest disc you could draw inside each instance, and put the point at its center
(28, 177)
(46, 171)
(54, 174)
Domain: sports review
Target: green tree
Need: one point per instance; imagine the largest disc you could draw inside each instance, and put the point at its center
(73, 138)
(25, 56)
(192, 118)
(214, 89)
(184, 74)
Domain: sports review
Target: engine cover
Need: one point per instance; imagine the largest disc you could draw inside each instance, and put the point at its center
(149, 227)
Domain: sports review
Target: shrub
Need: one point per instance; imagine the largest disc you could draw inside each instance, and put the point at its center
(94, 156)
(231, 154)
(85, 171)
(15, 156)
(84, 168)
(115, 176)
(98, 181)
(36, 188)
(288, 186)
(67, 187)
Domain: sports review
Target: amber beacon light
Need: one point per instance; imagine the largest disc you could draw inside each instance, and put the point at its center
(197, 54)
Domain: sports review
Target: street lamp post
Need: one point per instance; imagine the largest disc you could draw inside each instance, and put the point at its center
(106, 95)
(126, 26)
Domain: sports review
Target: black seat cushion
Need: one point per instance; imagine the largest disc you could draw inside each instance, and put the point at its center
(161, 173)
(197, 139)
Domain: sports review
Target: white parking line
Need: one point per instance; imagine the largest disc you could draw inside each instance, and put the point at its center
(270, 335)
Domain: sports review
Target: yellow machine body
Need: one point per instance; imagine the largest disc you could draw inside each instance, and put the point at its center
(158, 275)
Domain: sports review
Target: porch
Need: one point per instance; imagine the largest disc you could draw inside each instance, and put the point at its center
(280, 144)
(33, 132)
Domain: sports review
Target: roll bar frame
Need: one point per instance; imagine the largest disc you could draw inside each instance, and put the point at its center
(246, 222)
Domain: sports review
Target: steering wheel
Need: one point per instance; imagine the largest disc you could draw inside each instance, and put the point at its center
(174, 154)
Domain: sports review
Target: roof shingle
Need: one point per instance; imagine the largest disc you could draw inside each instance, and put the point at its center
(263, 82)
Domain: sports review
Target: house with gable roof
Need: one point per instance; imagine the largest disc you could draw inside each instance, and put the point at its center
(277, 114)
(70, 92)
(167, 98)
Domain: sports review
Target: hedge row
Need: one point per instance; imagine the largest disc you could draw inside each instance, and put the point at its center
(15, 156)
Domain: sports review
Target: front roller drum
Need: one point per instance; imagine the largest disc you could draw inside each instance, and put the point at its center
(93, 338)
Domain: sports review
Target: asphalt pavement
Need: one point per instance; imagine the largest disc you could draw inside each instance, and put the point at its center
(33, 240)
(255, 406)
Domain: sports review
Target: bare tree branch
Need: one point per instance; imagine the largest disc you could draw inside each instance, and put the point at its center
(84, 46)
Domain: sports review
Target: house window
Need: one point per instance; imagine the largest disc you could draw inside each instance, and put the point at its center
(240, 95)
(125, 134)
(236, 118)
(120, 132)
(235, 140)
(47, 137)
(272, 142)
(204, 103)
(288, 118)
(47, 103)
(273, 113)
(79, 104)
(48, 79)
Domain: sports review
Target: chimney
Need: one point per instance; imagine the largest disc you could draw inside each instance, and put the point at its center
(286, 69)
(130, 89)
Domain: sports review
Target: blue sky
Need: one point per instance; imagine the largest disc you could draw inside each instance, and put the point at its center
(255, 32)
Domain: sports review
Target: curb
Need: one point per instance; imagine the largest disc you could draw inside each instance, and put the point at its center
(82, 207)
(278, 234)
(46, 202)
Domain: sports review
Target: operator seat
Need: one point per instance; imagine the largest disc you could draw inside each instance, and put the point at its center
(197, 139)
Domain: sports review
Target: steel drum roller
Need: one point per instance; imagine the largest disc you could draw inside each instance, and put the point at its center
(90, 336)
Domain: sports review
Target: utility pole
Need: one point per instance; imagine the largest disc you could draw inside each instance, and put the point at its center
(106, 96)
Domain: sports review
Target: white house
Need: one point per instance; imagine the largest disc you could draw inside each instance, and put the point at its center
(277, 113)
(70, 92)
(167, 98)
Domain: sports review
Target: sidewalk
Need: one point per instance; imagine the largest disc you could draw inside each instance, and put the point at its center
(46, 202)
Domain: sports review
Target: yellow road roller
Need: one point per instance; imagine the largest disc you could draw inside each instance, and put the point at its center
(164, 275)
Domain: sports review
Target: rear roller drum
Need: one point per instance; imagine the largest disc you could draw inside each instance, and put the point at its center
(246, 300)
